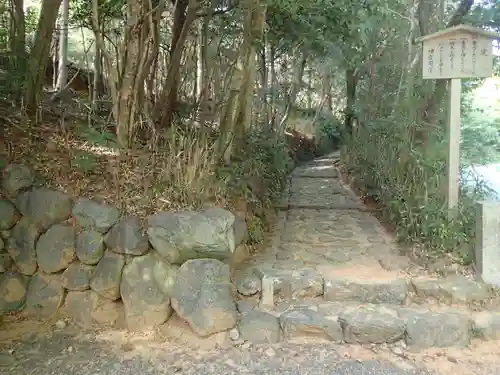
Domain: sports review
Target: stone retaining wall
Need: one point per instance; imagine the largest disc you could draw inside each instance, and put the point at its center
(101, 266)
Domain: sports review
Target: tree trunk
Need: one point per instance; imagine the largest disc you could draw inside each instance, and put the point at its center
(294, 89)
(62, 76)
(351, 84)
(18, 37)
(40, 53)
(253, 30)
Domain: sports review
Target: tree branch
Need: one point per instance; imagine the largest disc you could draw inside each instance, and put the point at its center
(219, 12)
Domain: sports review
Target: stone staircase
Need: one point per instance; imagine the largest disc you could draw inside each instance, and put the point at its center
(333, 272)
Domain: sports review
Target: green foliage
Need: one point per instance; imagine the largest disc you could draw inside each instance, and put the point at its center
(259, 178)
(84, 161)
(328, 135)
(408, 182)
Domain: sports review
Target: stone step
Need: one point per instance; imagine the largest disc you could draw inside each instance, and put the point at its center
(360, 284)
(413, 328)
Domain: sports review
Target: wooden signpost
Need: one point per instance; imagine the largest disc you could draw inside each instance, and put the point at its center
(455, 53)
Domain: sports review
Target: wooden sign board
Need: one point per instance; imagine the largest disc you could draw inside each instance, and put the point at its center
(459, 52)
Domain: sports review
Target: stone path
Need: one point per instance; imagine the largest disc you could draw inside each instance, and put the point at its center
(332, 271)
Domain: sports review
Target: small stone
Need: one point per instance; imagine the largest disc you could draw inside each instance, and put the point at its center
(45, 294)
(247, 283)
(270, 352)
(146, 287)
(306, 322)
(21, 246)
(70, 349)
(247, 304)
(107, 275)
(89, 308)
(90, 247)
(392, 291)
(55, 249)
(60, 324)
(451, 290)
(5, 262)
(202, 296)
(93, 215)
(426, 329)
(487, 325)
(77, 276)
(8, 215)
(260, 327)
(246, 345)
(234, 334)
(371, 324)
(397, 350)
(17, 177)
(45, 207)
(127, 237)
(13, 292)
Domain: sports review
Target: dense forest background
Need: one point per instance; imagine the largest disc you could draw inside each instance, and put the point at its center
(158, 104)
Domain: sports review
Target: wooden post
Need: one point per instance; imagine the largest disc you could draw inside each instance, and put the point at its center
(453, 157)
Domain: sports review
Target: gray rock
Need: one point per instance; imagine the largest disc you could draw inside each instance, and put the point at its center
(456, 289)
(45, 294)
(13, 286)
(293, 281)
(392, 291)
(310, 323)
(248, 283)
(127, 237)
(21, 246)
(247, 304)
(260, 327)
(55, 249)
(146, 286)
(93, 215)
(17, 177)
(487, 325)
(8, 215)
(90, 247)
(181, 236)
(45, 207)
(5, 234)
(107, 275)
(426, 329)
(5, 262)
(202, 296)
(371, 325)
(89, 309)
(77, 276)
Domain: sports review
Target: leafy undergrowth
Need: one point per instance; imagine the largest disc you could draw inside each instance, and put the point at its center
(177, 170)
(407, 183)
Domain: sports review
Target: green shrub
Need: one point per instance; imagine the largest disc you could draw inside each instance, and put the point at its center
(327, 133)
(259, 178)
(408, 182)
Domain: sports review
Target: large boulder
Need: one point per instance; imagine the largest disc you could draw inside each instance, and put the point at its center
(21, 245)
(127, 237)
(107, 275)
(77, 276)
(45, 294)
(8, 215)
(145, 288)
(202, 296)
(45, 207)
(181, 236)
(90, 246)
(92, 215)
(12, 292)
(55, 249)
(17, 177)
